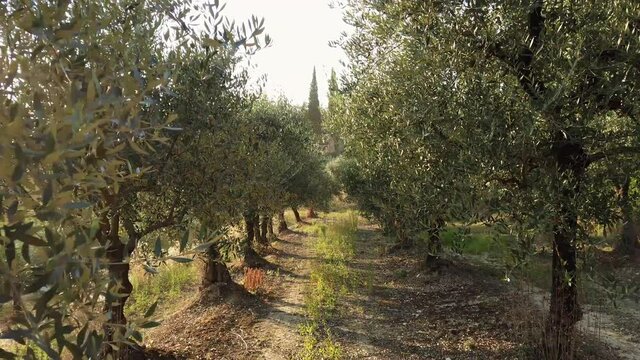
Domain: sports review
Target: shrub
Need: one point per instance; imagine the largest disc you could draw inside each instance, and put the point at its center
(253, 279)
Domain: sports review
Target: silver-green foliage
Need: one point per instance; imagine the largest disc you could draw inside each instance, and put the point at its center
(79, 122)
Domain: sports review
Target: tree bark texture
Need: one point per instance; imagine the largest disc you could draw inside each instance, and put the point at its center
(564, 311)
(282, 223)
(296, 214)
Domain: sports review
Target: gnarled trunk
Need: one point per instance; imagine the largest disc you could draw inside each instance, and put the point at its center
(564, 311)
(434, 247)
(216, 279)
(296, 214)
(251, 257)
(250, 227)
(256, 229)
(120, 289)
(270, 235)
(263, 237)
(628, 244)
(282, 223)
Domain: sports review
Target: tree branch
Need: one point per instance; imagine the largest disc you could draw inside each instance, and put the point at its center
(523, 62)
(623, 150)
(170, 220)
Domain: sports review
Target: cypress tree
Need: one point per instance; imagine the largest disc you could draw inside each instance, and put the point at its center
(313, 112)
(333, 91)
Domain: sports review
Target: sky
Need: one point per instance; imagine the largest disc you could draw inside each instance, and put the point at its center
(300, 31)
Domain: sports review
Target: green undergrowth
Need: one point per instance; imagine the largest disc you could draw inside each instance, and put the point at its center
(331, 280)
(484, 247)
(29, 351)
(476, 240)
(495, 253)
(168, 285)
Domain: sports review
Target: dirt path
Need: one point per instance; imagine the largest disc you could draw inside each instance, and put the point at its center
(412, 314)
(278, 330)
(458, 312)
(602, 325)
(264, 326)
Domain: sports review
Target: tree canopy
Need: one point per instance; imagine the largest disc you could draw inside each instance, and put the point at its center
(493, 111)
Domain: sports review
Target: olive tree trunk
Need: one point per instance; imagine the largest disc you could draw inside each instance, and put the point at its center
(564, 311)
(216, 280)
(120, 288)
(434, 247)
(296, 214)
(270, 234)
(263, 239)
(282, 223)
(628, 244)
(251, 257)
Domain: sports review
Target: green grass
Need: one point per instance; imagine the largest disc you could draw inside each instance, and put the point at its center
(475, 240)
(492, 250)
(331, 279)
(340, 205)
(170, 284)
(316, 348)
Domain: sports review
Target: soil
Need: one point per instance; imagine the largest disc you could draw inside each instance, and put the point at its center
(264, 326)
(458, 311)
(401, 310)
(278, 330)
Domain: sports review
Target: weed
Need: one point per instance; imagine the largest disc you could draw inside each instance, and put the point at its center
(169, 284)
(253, 279)
(402, 273)
(475, 242)
(331, 279)
(326, 348)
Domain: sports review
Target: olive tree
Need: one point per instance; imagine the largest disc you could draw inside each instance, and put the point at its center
(69, 112)
(400, 166)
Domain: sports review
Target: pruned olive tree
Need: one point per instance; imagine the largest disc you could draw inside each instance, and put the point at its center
(198, 176)
(69, 111)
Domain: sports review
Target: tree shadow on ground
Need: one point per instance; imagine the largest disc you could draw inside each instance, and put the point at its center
(215, 330)
(461, 311)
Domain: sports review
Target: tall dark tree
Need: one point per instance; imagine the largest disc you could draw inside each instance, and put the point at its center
(333, 91)
(333, 109)
(315, 117)
(313, 112)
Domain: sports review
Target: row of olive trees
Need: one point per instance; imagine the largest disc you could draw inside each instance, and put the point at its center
(75, 77)
(118, 121)
(522, 113)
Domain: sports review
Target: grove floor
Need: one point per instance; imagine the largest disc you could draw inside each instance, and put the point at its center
(400, 310)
